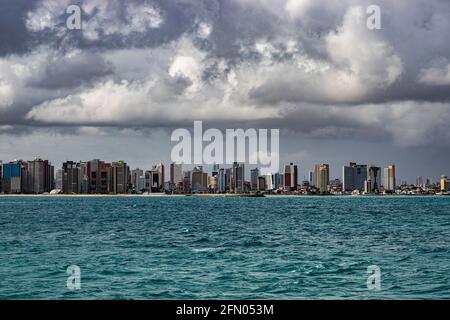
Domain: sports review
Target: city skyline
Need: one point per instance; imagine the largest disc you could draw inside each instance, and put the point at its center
(118, 177)
(136, 71)
(304, 171)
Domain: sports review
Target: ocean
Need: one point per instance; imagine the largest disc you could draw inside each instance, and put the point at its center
(225, 248)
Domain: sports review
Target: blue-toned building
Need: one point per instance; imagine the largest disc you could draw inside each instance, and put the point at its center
(11, 177)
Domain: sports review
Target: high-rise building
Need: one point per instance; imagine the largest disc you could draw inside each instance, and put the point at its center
(229, 180)
(445, 184)
(261, 184)
(137, 180)
(59, 179)
(83, 176)
(311, 178)
(281, 181)
(221, 181)
(12, 177)
(71, 178)
(269, 182)
(176, 175)
(373, 182)
(99, 178)
(322, 176)
(152, 180)
(199, 180)
(290, 177)
(354, 177)
(160, 169)
(212, 185)
(254, 175)
(118, 177)
(187, 182)
(276, 181)
(389, 178)
(238, 177)
(41, 174)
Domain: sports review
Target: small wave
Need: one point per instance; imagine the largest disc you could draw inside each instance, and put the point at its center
(199, 250)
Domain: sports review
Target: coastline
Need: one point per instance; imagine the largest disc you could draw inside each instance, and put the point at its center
(244, 195)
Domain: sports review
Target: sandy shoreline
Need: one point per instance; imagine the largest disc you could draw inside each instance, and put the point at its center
(197, 195)
(117, 195)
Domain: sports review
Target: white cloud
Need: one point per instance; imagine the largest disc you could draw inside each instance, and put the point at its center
(298, 8)
(6, 94)
(46, 15)
(102, 17)
(366, 61)
(266, 78)
(438, 76)
(108, 21)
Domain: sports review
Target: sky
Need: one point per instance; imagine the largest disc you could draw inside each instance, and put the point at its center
(337, 90)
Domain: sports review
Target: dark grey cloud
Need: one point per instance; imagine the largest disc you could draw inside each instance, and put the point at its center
(309, 67)
(72, 72)
(14, 37)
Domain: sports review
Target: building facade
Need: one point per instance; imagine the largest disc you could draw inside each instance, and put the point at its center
(354, 177)
(389, 178)
(290, 177)
(322, 176)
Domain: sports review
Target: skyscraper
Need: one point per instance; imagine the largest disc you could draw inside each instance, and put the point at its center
(254, 174)
(311, 178)
(160, 169)
(221, 181)
(137, 180)
(276, 181)
(238, 177)
(152, 180)
(261, 184)
(212, 185)
(118, 177)
(228, 180)
(176, 175)
(322, 176)
(199, 180)
(59, 179)
(389, 178)
(99, 176)
(12, 177)
(84, 176)
(70, 178)
(373, 179)
(41, 176)
(290, 177)
(354, 176)
(269, 182)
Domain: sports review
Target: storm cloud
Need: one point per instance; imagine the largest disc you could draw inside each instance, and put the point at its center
(311, 68)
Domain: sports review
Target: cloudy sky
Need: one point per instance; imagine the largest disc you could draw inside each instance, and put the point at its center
(337, 90)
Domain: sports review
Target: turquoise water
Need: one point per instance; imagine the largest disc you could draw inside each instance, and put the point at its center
(225, 248)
